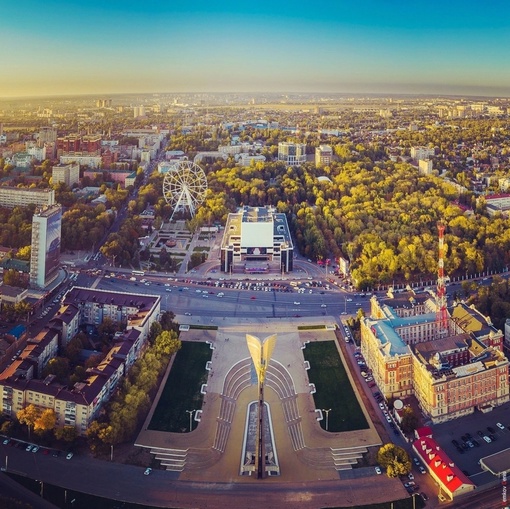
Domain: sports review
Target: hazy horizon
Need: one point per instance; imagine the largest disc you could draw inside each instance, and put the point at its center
(60, 48)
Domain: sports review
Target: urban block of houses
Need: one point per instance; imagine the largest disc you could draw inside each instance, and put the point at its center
(21, 383)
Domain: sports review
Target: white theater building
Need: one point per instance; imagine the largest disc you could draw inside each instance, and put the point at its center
(256, 240)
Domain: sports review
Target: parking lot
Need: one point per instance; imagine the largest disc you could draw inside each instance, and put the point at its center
(33, 448)
(475, 425)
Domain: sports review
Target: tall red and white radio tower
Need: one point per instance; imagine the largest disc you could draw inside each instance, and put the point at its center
(442, 314)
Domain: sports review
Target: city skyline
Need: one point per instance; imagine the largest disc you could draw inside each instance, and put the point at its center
(73, 48)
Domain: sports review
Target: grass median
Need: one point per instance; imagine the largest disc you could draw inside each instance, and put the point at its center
(182, 389)
(333, 388)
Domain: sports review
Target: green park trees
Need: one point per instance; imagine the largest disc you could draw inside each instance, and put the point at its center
(410, 420)
(127, 409)
(382, 217)
(84, 225)
(37, 418)
(394, 459)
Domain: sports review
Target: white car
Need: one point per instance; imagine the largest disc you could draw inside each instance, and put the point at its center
(69, 455)
(499, 425)
(296, 303)
(323, 306)
(378, 470)
(147, 471)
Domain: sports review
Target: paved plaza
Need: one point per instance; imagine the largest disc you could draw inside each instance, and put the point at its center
(212, 452)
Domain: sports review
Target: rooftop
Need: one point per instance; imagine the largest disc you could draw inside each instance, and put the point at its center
(439, 462)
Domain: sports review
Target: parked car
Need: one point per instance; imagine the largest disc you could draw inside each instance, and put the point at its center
(147, 471)
(378, 470)
(69, 455)
(499, 425)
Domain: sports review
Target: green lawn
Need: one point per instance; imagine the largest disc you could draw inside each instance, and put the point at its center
(182, 389)
(333, 388)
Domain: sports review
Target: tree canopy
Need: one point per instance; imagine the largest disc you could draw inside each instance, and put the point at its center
(394, 459)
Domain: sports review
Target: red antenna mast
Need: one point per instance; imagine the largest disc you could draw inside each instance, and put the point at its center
(442, 314)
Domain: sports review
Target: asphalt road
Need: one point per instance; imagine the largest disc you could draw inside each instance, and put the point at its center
(163, 489)
(247, 303)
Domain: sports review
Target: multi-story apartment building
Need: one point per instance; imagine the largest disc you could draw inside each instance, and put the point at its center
(422, 153)
(292, 154)
(47, 135)
(67, 322)
(323, 155)
(69, 174)
(247, 159)
(22, 159)
(87, 144)
(37, 152)
(45, 252)
(82, 159)
(451, 372)
(80, 404)
(425, 166)
(11, 197)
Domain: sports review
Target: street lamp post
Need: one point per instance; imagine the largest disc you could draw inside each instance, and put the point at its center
(111, 452)
(327, 416)
(190, 412)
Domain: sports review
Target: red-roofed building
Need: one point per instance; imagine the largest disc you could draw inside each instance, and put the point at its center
(425, 431)
(452, 482)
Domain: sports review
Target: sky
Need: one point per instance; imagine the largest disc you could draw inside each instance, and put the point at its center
(55, 47)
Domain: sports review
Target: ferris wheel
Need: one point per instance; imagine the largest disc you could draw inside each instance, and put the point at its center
(184, 187)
